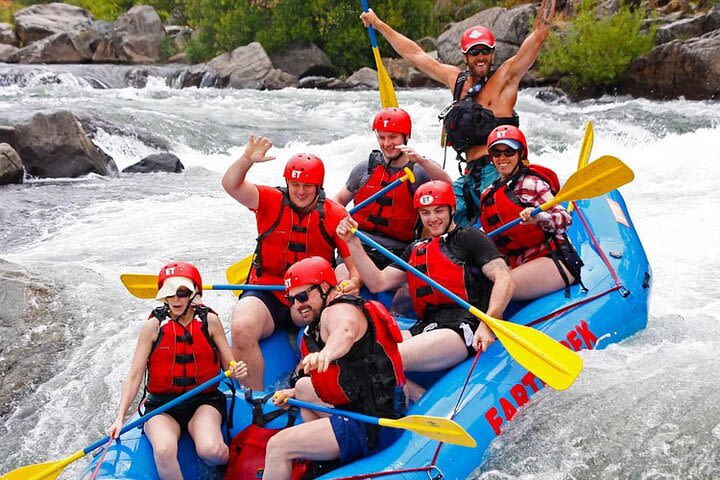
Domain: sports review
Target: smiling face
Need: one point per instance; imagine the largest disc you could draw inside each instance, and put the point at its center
(505, 159)
(479, 64)
(307, 303)
(302, 195)
(178, 304)
(388, 141)
(436, 219)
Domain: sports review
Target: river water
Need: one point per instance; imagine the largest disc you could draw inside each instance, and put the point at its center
(644, 409)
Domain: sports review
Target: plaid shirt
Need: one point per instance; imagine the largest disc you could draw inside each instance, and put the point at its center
(532, 191)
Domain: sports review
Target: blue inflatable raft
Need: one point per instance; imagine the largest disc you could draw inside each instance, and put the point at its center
(483, 393)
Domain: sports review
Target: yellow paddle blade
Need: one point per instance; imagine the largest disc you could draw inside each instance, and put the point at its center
(42, 471)
(597, 178)
(549, 360)
(140, 285)
(585, 150)
(387, 91)
(238, 272)
(437, 428)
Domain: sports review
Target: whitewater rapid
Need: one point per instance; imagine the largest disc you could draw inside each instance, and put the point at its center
(647, 408)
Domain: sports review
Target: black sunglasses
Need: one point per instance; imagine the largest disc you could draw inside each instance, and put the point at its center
(303, 296)
(499, 153)
(485, 50)
(183, 293)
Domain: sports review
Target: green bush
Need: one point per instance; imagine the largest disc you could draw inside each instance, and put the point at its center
(595, 52)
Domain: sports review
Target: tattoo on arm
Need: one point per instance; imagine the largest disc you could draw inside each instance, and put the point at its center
(494, 266)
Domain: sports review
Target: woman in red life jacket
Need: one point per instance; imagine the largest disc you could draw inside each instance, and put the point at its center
(539, 253)
(350, 354)
(181, 345)
(463, 260)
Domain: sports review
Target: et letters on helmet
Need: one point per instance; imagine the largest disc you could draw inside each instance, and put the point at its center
(426, 200)
(296, 173)
(475, 34)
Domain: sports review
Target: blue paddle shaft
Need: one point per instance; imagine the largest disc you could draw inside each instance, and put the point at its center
(371, 30)
(334, 411)
(369, 241)
(158, 410)
(376, 195)
(509, 225)
(243, 286)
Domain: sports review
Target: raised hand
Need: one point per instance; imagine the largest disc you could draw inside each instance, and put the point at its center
(256, 149)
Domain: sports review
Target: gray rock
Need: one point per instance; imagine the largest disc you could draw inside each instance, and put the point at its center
(68, 47)
(510, 27)
(7, 35)
(134, 38)
(7, 52)
(7, 135)
(91, 123)
(25, 303)
(179, 35)
(323, 83)
(403, 75)
(277, 79)
(244, 67)
(689, 27)
(428, 43)
(678, 68)
(157, 162)
(366, 77)
(303, 61)
(39, 21)
(55, 145)
(11, 168)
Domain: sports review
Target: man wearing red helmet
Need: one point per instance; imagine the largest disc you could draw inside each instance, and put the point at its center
(293, 223)
(463, 260)
(182, 345)
(390, 220)
(483, 98)
(539, 252)
(350, 354)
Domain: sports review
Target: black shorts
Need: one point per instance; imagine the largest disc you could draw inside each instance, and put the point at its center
(381, 261)
(278, 310)
(453, 318)
(184, 412)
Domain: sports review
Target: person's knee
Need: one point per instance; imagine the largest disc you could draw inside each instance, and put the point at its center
(213, 453)
(165, 452)
(245, 327)
(304, 390)
(276, 449)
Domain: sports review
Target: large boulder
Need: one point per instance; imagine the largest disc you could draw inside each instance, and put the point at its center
(55, 145)
(25, 334)
(365, 78)
(133, 38)
(404, 75)
(247, 67)
(157, 162)
(7, 52)
(39, 21)
(7, 34)
(690, 69)
(303, 60)
(11, 168)
(77, 46)
(510, 27)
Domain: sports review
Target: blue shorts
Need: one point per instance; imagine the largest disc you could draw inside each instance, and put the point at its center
(278, 310)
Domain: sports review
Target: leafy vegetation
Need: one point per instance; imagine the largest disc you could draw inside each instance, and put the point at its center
(595, 52)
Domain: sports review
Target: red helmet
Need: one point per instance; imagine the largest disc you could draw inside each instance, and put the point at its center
(180, 269)
(476, 36)
(305, 168)
(508, 135)
(434, 192)
(310, 271)
(395, 120)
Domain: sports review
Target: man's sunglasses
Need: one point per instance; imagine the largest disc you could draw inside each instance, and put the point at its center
(301, 297)
(485, 50)
(499, 153)
(183, 293)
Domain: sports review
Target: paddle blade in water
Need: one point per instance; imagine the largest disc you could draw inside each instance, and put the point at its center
(437, 428)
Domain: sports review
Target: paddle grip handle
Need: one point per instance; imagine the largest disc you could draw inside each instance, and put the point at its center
(509, 225)
(371, 30)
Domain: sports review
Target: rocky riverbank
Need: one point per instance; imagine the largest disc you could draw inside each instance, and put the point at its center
(683, 62)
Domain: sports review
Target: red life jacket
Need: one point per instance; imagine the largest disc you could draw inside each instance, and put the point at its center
(428, 257)
(181, 357)
(392, 215)
(500, 205)
(365, 379)
(290, 239)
